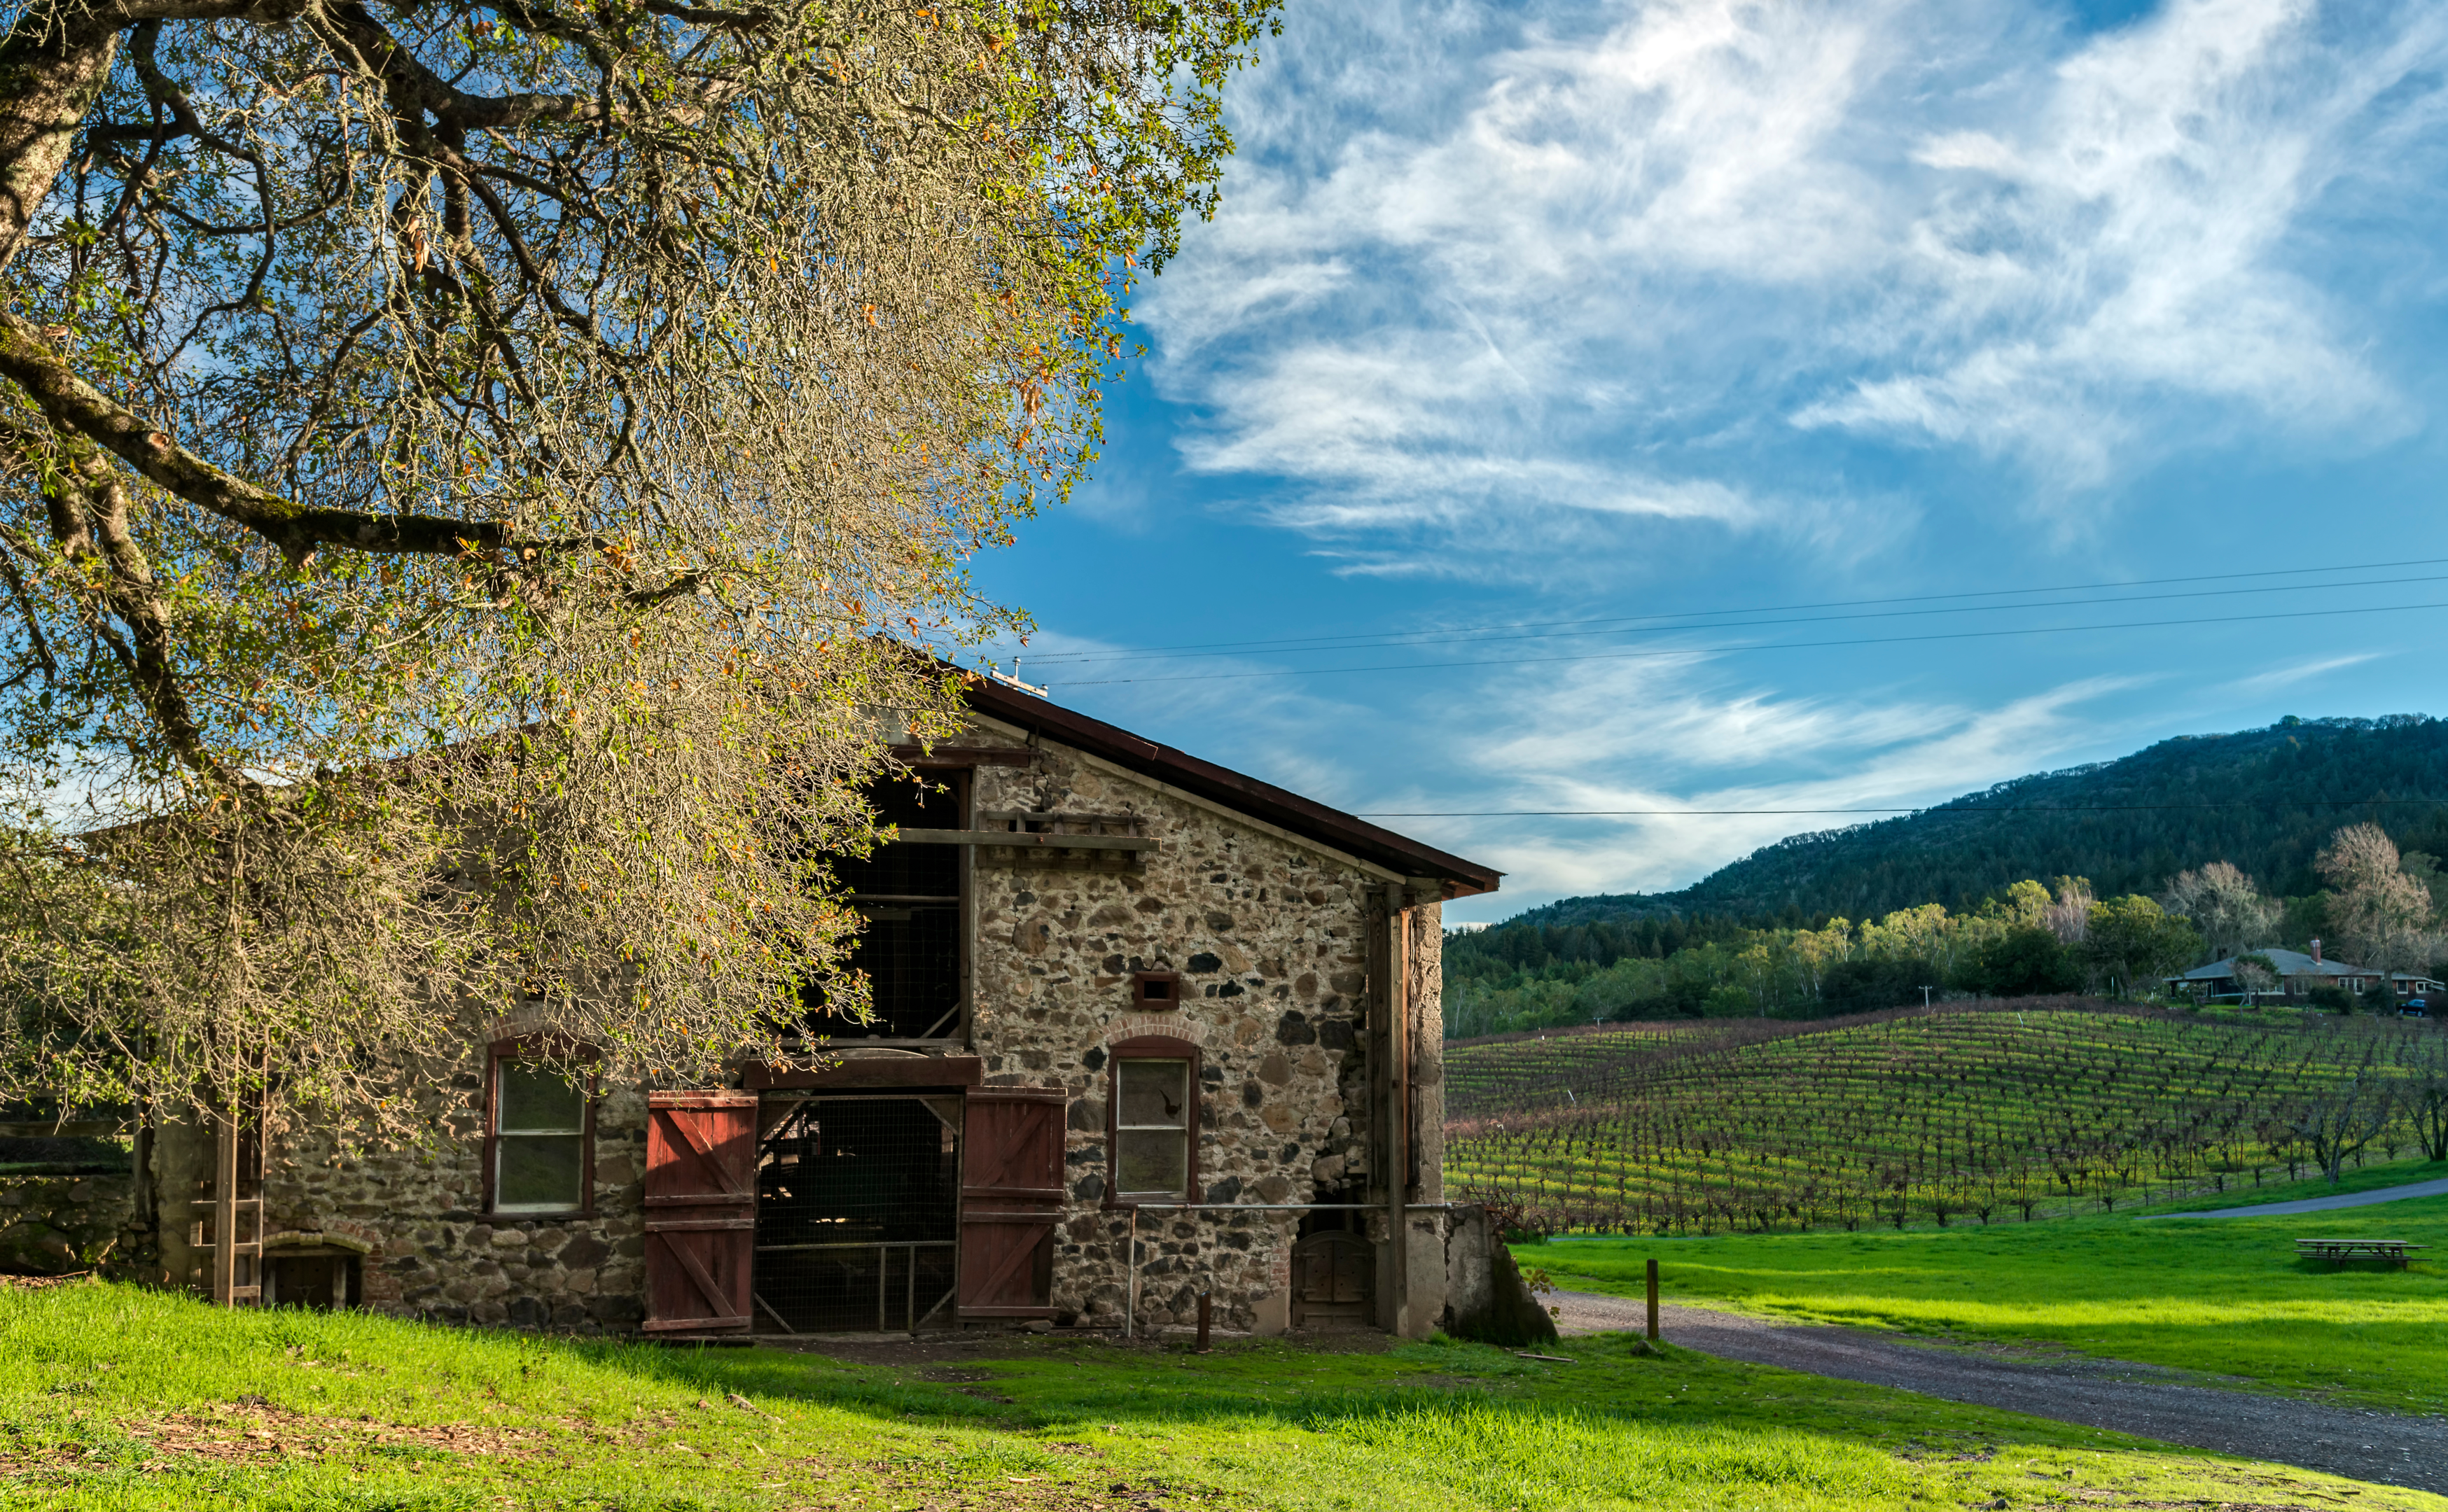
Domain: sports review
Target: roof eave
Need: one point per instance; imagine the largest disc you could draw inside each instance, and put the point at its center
(1456, 877)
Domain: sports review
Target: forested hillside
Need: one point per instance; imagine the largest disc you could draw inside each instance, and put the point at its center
(1927, 895)
(2127, 825)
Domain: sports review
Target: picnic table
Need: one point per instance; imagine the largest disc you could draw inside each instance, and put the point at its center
(2338, 1251)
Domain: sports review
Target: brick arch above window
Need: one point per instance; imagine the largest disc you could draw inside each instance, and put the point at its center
(1166, 1026)
(1152, 1134)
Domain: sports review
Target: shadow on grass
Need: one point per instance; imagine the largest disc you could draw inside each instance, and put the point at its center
(132, 1353)
(83, 1367)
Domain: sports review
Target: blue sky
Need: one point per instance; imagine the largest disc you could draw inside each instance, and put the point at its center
(1559, 312)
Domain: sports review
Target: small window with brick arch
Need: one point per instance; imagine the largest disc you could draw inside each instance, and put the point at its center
(539, 1133)
(1155, 1120)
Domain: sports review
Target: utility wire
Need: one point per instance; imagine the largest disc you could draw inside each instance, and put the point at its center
(1770, 609)
(1710, 651)
(1478, 638)
(1927, 808)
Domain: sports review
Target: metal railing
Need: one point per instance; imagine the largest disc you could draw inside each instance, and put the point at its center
(882, 1249)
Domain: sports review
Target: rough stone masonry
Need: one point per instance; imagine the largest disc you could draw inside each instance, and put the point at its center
(1269, 927)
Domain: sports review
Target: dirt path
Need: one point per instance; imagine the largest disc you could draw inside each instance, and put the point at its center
(2146, 1400)
(2320, 1204)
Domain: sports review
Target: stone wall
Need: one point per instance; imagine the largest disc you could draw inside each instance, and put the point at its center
(1270, 935)
(433, 1253)
(429, 1249)
(52, 1225)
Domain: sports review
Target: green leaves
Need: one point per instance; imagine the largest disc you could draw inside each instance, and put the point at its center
(576, 418)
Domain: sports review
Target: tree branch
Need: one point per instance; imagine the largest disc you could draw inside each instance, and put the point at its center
(76, 408)
(416, 90)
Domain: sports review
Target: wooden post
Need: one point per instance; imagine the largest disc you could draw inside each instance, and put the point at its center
(1131, 1293)
(225, 1207)
(1397, 1109)
(1652, 1300)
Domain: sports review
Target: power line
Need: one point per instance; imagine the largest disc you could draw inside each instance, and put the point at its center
(1713, 651)
(1762, 609)
(1478, 638)
(1928, 808)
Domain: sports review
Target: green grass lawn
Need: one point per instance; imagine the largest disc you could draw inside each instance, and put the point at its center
(2221, 1296)
(112, 1397)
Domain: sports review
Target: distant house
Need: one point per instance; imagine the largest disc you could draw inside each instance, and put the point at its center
(2298, 974)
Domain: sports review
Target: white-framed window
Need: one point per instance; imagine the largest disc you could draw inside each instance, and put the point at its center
(1153, 1123)
(541, 1124)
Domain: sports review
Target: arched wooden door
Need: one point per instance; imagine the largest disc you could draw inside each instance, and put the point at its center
(1331, 1276)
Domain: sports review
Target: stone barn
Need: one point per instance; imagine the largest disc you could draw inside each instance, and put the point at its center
(1146, 1030)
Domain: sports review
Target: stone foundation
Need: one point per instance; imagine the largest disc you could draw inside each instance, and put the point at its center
(54, 1225)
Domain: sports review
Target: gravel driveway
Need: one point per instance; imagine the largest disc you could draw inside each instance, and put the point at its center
(2145, 1400)
(2318, 1205)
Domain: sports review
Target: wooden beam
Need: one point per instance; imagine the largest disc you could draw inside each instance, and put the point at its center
(1022, 841)
(963, 756)
(225, 1210)
(896, 1071)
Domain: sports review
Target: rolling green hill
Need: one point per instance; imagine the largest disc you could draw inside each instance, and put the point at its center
(2266, 799)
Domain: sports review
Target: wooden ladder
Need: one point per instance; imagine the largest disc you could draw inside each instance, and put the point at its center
(236, 1241)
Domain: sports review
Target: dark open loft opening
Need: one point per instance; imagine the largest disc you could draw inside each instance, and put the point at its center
(910, 894)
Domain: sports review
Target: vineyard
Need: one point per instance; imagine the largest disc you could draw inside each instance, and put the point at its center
(1965, 1112)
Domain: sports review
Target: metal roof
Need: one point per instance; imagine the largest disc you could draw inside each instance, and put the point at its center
(2290, 963)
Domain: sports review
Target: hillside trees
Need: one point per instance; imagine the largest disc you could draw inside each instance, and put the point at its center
(2005, 947)
(2382, 916)
(2267, 799)
(2132, 941)
(2026, 959)
(2227, 907)
(2068, 916)
(473, 468)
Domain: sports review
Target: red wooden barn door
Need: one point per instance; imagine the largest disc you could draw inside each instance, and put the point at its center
(700, 1210)
(1011, 1193)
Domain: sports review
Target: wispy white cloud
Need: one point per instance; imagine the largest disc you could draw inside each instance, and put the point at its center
(2302, 671)
(1574, 282)
(2127, 239)
(1677, 739)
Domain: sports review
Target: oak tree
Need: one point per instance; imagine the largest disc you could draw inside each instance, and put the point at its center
(481, 478)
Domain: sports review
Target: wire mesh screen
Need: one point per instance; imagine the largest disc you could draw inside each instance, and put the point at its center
(911, 954)
(857, 1211)
(910, 894)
